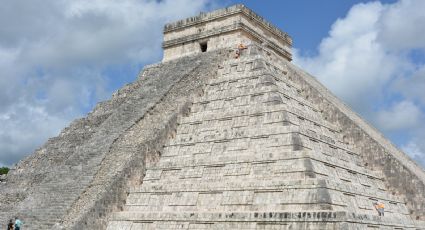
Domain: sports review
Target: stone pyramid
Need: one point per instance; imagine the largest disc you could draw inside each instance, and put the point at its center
(210, 140)
(254, 153)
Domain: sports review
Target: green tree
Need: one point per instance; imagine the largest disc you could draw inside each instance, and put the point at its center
(4, 170)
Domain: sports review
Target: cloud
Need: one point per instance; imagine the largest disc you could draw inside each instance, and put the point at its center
(415, 150)
(57, 59)
(367, 61)
(412, 86)
(402, 115)
(90, 32)
(23, 128)
(402, 25)
(351, 61)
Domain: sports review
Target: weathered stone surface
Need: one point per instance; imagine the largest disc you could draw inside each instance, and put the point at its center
(207, 141)
(83, 174)
(220, 29)
(256, 153)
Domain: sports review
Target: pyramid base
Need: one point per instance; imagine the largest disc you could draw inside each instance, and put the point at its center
(254, 220)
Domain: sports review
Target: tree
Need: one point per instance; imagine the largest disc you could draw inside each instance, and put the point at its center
(4, 170)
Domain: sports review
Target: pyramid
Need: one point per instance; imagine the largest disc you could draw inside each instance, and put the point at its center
(208, 139)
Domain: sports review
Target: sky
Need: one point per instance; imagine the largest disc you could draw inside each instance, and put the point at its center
(59, 58)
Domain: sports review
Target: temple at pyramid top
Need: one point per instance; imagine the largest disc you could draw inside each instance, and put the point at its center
(227, 27)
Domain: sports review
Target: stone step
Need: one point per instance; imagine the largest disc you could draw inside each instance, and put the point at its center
(261, 119)
(194, 156)
(266, 97)
(264, 217)
(200, 115)
(271, 183)
(226, 133)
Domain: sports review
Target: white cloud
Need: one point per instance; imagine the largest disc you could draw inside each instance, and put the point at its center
(402, 115)
(351, 61)
(415, 151)
(23, 128)
(413, 86)
(402, 25)
(366, 61)
(103, 32)
(55, 56)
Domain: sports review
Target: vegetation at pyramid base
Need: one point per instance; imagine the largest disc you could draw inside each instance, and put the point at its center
(4, 170)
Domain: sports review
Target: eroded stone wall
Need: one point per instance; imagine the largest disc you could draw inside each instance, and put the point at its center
(256, 152)
(143, 142)
(403, 176)
(77, 178)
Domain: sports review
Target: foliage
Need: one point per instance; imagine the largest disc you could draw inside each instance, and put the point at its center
(4, 170)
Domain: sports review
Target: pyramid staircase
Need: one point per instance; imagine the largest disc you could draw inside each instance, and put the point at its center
(255, 154)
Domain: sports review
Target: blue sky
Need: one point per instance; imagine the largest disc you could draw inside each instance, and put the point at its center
(59, 58)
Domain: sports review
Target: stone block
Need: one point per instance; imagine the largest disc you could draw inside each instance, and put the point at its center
(183, 199)
(237, 197)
